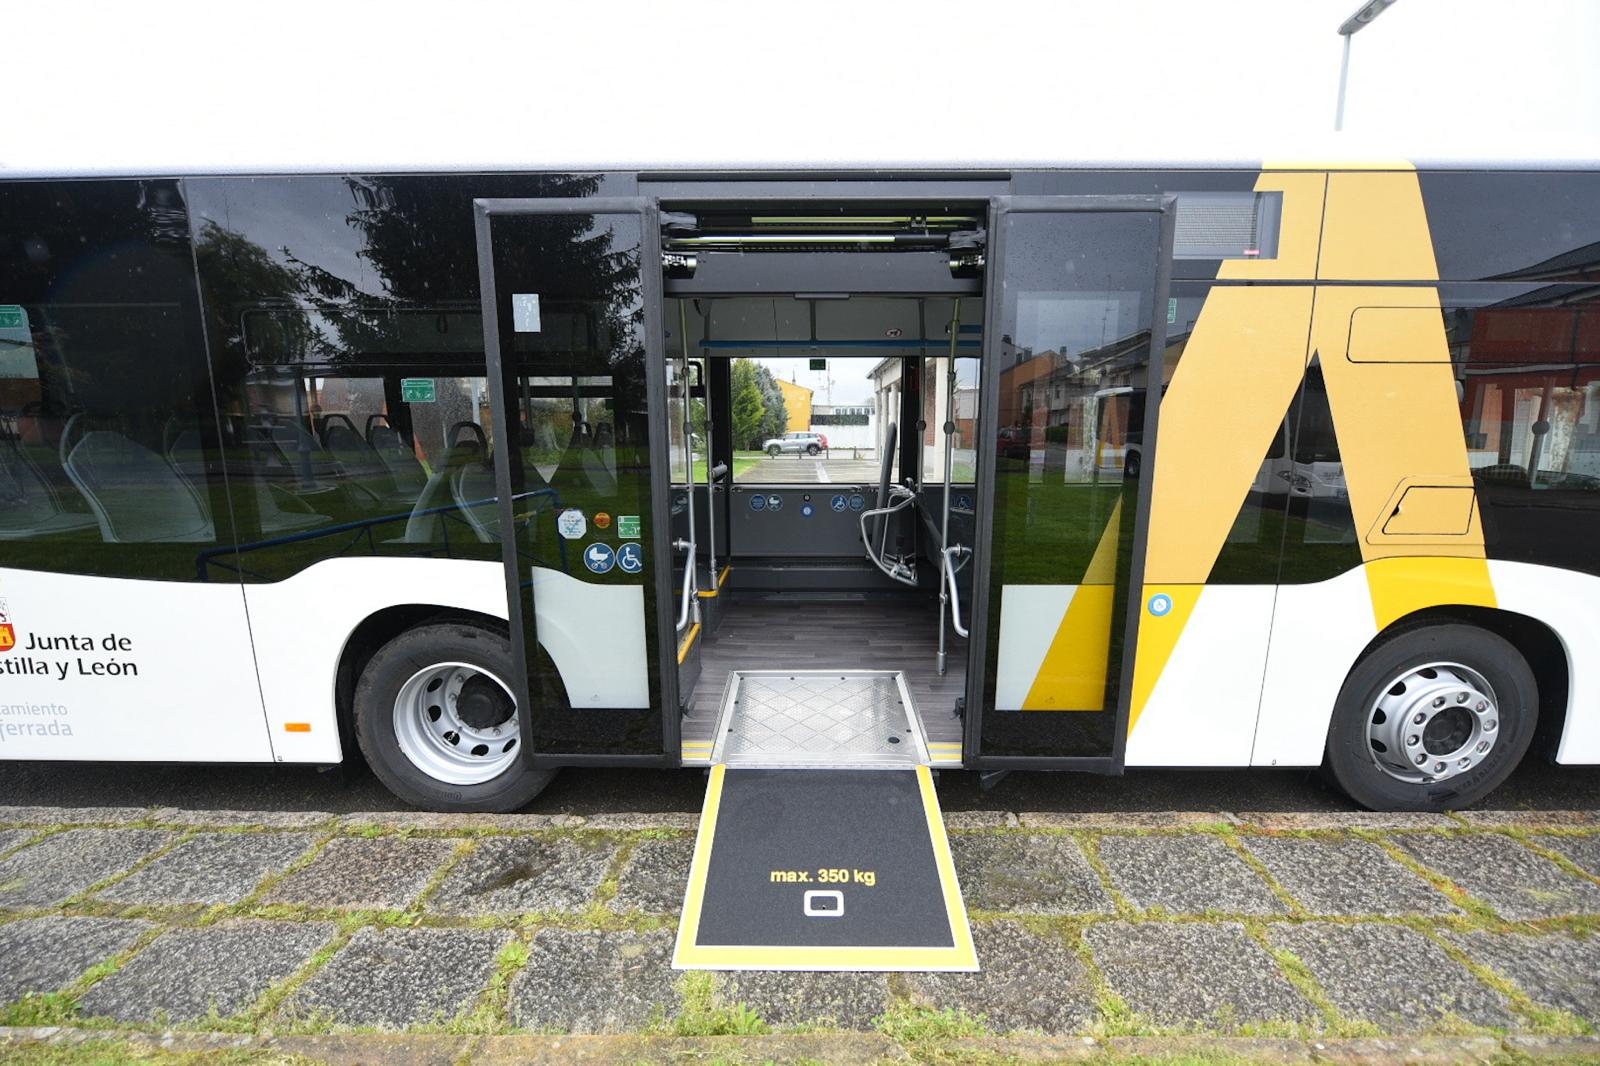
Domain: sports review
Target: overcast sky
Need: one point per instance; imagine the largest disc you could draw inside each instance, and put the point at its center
(203, 84)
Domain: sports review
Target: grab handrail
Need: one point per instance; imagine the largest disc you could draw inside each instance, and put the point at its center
(897, 569)
(688, 581)
(950, 583)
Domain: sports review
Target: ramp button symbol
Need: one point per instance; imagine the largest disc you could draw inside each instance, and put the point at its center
(824, 903)
(599, 558)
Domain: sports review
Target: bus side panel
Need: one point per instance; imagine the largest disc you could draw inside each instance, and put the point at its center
(302, 624)
(118, 669)
(1568, 603)
(1202, 710)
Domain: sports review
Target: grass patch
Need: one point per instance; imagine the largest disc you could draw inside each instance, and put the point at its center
(40, 1008)
(116, 1052)
(912, 1024)
(705, 1014)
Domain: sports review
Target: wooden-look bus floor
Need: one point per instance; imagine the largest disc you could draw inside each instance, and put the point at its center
(825, 636)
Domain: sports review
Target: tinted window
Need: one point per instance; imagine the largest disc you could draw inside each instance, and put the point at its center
(1510, 225)
(109, 457)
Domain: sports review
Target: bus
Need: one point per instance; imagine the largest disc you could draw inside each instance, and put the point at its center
(1095, 469)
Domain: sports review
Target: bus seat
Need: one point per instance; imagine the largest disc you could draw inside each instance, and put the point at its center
(136, 495)
(398, 456)
(473, 488)
(29, 507)
(425, 528)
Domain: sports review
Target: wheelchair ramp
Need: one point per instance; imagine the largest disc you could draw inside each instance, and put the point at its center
(818, 718)
(823, 869)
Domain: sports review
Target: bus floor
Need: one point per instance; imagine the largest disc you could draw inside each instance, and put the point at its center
(862, 635)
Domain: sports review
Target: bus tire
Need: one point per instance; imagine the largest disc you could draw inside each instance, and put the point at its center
(1459, 700)
(436, 720)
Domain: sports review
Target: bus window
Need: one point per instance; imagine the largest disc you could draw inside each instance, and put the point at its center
(102, 381)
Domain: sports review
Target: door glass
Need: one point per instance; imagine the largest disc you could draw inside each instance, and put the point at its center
(570, 301)
(1070, 372)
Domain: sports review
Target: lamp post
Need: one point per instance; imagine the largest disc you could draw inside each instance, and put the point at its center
(1347, 29)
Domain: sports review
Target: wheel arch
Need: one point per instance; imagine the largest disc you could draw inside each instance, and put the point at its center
(376, 630)
(1536, 641)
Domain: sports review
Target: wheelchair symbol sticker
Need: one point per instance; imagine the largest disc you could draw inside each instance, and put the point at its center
(964, 502)
(839, 503)
(599, 558)
(630, 558)
(758, 502)
(1160, 604)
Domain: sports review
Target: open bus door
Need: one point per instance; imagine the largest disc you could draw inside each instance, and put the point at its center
(571, 294)
(1077, 291)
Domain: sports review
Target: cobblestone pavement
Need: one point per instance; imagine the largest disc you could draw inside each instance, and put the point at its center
(1295, 926)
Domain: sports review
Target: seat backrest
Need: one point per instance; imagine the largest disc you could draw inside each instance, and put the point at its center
(402, 463)
(26, 499)
(474, 490)
(424, 527)
(136, 495)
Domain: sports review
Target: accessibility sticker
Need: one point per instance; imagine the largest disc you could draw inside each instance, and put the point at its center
(758, 502)
(571, 523)
(857, 502)
(599, 558)
(630, 558)
(774, 503)
(806, 510)
(628, 526)
(839, 503)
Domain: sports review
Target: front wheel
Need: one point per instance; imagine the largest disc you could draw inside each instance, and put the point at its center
(437, 721)
(1433, 720)
(773, 450)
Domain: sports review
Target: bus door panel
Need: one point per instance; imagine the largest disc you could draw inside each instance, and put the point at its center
(1077, 288)
(571, 303)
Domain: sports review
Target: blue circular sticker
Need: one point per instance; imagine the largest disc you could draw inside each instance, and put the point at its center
(758, 502)
(774, 503)
(806, 510)
(630, 558)
(964, 502)
(858, 502)
(839, 503)
(599, 558)
(1160, 604)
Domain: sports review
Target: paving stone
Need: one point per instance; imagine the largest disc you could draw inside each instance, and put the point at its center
(393, 978)
(834, 1000)
(1531, 819)
(236, 818)
(72, 815)
(1583, 850)
(449, 823)
(356, 873)
(1194, 973)
(591, 981)
(61, 866)
(1027, 873)
(10, 838)
(1295, 820)
(1027, 981)
(1555, 970)
(520, 874)
(1346, 876)
(211, 868)
(1186, 875)
(1114, 820)
(656, 876)
(1392, 976)
(186, 974)
(45, 954)
(1510, 878)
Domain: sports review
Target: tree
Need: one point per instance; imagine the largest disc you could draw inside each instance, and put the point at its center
(776, 421)
(749, 405)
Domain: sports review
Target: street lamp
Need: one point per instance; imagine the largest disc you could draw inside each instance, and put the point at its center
(1347, 29)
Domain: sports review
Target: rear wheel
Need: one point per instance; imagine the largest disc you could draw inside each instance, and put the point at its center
(437, 721)
(812, 449)
(1433, 720)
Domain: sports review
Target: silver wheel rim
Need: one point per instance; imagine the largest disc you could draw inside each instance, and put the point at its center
(438, 741)
(1433, 722)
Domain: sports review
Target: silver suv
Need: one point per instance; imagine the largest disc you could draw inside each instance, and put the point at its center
(810, 443)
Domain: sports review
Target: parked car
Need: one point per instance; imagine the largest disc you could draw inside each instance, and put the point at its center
(810, 443)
